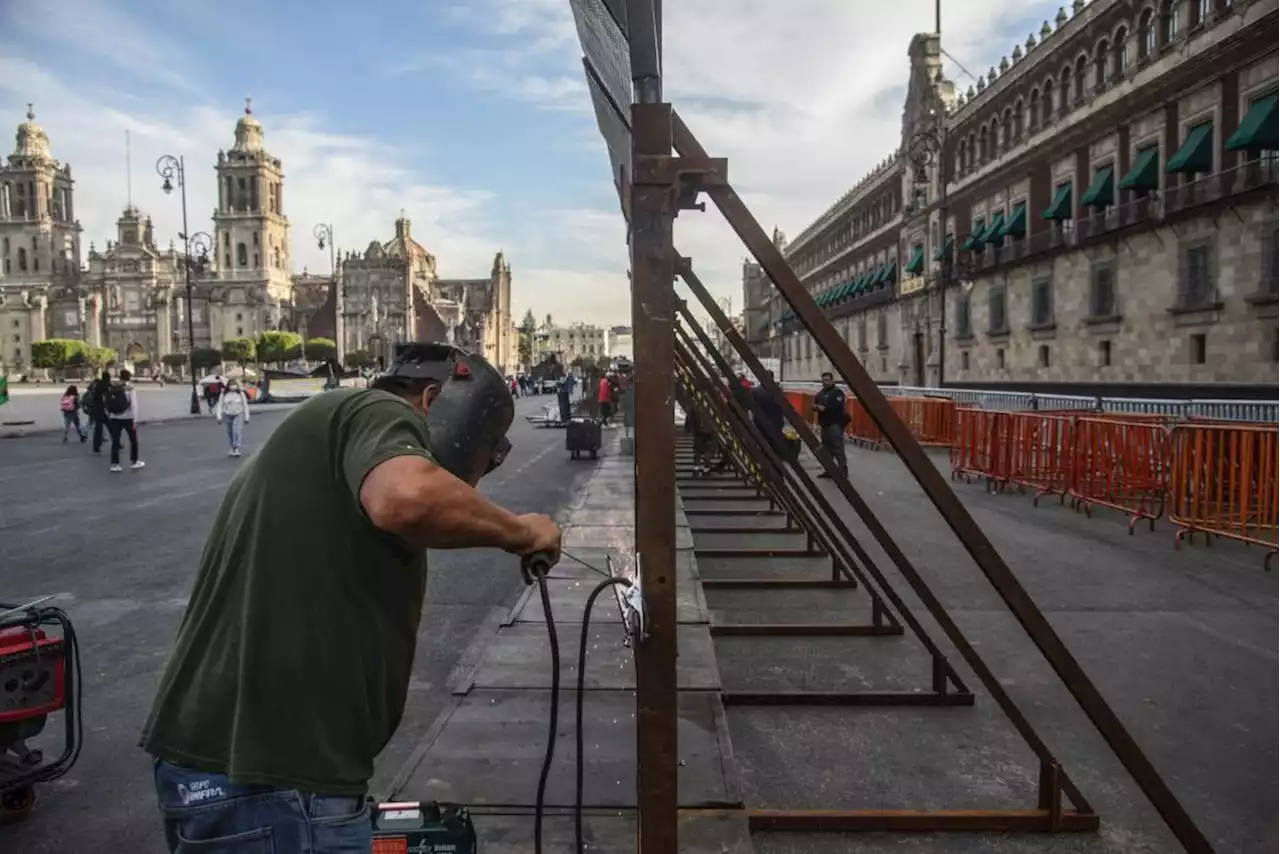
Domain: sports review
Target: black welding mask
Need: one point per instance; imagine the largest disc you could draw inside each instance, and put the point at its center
(470, 416)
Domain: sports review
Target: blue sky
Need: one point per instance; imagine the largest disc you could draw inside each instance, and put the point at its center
(473, 117)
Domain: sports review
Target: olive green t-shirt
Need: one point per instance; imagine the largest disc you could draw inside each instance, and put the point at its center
(292, 662)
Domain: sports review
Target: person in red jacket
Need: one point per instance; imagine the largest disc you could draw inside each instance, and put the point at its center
(605, 399)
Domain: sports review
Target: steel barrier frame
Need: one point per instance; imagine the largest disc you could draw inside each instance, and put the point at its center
(659, 184)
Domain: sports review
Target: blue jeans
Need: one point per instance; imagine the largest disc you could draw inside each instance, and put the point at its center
(235, 425)
(208, 814)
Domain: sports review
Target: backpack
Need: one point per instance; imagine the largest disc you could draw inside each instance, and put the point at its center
(117, 399)
(68, 403)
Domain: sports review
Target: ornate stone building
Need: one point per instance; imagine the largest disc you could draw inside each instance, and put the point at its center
(392, 293)
(1099, 208)
(132, 296)
(39, 248)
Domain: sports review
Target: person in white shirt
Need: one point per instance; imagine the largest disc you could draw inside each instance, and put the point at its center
(121, 402)
(233, 410)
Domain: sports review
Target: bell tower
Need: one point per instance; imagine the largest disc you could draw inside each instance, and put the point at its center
(251, 288)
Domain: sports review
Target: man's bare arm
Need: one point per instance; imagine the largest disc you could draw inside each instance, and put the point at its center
(420, 502)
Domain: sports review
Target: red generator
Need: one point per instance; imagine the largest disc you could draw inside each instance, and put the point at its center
(39, 676)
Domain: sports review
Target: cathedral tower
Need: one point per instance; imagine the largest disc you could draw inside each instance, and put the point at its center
(38, 232)
(251, 291)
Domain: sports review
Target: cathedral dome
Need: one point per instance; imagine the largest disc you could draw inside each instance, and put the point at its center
(32, 140)
(248, 130)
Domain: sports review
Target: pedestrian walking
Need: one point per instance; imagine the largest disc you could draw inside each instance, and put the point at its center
(233, 410)
(832, 418)
(122, 419)
(605, 399)
(70, 405)
(95, 407)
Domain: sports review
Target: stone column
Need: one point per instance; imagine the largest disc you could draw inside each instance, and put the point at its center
(164, 328)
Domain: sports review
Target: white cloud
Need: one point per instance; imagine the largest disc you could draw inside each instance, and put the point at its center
(804, 97)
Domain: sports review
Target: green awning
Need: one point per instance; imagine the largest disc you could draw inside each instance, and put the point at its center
(945, 250)
(916, 263)
(890, 273)
(1196, 153)
(973, 241)
(825, 299)
(1060, 207)
(1145, 172)
(881, 275)
(861, 283)
(1258, 130)
(847, 291)
(1102, 192)
(992, 232)
(1016, 225)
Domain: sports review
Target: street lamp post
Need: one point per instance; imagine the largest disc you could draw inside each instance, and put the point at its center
(196, 255)
(927, 146)
(324, 237)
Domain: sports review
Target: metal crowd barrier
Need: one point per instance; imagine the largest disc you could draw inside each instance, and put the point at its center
(1199, 461)
(1259, 411)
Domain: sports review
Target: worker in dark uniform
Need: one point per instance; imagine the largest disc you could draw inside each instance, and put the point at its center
(292, 663)
(768, 418)
(832, 418)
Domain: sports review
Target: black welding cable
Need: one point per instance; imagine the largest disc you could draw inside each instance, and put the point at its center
(582, 688)
(539, 573)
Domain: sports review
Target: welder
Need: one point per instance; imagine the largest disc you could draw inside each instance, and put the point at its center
(292, 663)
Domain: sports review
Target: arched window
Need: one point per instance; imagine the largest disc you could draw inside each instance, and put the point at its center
(1170, 12)
(1146, 33)
(983, 148)
(1101, 64)
(275, 257)
(1119, 54)
(1082, 70)
(962, 152)
(22, 260)
(973, 150)
(994, 139)
(1046, 106)
(242, 255)
(1019, 110)
(1033, 111)
(1200, 12)
(1006, 129)
(1064, 95)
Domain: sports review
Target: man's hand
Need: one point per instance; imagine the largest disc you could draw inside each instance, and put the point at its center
(541, 534)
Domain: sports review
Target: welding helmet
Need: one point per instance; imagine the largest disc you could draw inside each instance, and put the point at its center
(470, 416)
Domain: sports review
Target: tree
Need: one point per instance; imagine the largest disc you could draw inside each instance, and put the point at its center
(274, 347)
(97, 358)
(239, 350)
(54, 353)
(204, 358)
(361, 359)
(321, 349)
(528, 327)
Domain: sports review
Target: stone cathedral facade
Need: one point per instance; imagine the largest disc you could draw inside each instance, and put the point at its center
(131, 294)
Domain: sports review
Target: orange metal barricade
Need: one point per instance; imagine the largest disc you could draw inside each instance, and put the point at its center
(930, 419)
(1041, 452)
(861, 429)
(1122, 463)
(1223, 481)
(981, 445)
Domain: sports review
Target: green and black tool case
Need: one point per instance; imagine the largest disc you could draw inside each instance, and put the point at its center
(422, 827)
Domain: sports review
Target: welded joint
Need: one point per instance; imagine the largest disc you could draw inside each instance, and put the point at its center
(664, 170)
(631, 606)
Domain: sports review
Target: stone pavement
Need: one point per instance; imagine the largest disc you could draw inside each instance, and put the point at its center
(1181, 643)
(34, 409)
(487, 747)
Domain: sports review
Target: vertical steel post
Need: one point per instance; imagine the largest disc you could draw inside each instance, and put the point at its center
(653, 314)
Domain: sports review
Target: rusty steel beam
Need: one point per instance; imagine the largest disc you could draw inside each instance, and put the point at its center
(777, 584)
(843, 698)
(652, 311)
(722, 512)
(957, 517)
(817, 512)
(944, 672)
(920, 821)
(805, 630)
(888, 545)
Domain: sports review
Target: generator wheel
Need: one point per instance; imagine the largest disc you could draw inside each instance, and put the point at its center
(18, 801)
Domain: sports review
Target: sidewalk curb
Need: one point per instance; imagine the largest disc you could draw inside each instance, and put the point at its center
(15, 432)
